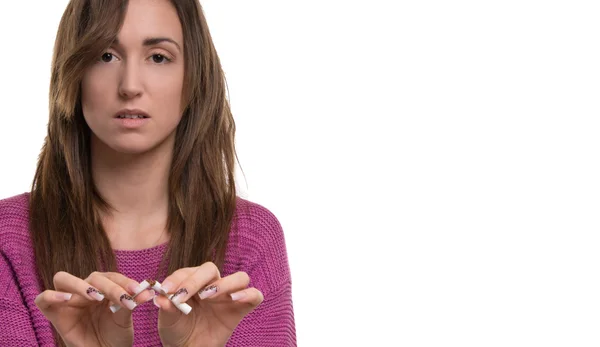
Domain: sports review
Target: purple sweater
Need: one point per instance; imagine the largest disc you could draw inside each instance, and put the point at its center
(256, 246)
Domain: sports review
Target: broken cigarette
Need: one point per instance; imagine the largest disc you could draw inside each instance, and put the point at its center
(183, 307)
(143, 286)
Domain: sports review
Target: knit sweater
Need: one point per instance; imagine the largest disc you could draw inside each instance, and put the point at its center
(256, 246)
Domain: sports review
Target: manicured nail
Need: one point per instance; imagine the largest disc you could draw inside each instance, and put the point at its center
(184, 308)
(136, 289)
(128, 301)
(95, 294)
(237, 296)
(158, 288)
(64, 296)
(154, 301)
(114, 308)
(166, 286)
(208, 292)
(176, 298)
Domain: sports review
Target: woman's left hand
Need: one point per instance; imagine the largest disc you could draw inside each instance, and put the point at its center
(218, 305)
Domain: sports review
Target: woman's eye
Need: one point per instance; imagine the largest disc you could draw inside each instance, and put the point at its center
(159, 58)
(106, 57)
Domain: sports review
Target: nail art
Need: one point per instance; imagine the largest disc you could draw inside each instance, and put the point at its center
(184, 308)
(128, 301)
(208, 292)
(139, 289)
(95, 293)
(175, 298)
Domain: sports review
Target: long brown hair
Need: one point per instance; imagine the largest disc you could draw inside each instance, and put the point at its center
(64, 204)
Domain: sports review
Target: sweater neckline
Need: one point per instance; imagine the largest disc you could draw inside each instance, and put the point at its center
(159, 249)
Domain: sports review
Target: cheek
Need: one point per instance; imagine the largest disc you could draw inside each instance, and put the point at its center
(168, 98)
(93, 95)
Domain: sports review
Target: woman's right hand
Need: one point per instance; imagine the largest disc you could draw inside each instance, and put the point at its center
(80, 309)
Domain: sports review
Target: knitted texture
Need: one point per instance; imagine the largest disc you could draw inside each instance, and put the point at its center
(256, 246)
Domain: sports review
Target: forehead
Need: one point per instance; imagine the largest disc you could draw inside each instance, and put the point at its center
(150, 18)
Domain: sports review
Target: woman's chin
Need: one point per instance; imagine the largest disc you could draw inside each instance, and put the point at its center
(128, 145)
(130, 148)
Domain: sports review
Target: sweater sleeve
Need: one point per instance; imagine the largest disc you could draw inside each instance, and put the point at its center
(17, 329)
(263, 246)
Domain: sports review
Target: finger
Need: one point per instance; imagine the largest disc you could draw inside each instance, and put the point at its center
(138, 291)
(206, 272)
(125, 282)
(167, 305)
(232, 283)
(252, 297)
(48, 298)
(118, 289)
(142, 297)
(196, 280)
(115, 292)
(65, 282)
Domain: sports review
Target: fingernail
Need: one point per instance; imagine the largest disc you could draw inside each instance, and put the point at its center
(208, 292)
(158, 288)
(154, 301)
(184, 308)
(95, 294)
(166, 286)
(136, 289)
(64, 296)
(176, 298)
(238, 296)
(128, 301)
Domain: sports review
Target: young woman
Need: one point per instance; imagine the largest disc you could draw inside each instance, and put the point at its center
(135, 184)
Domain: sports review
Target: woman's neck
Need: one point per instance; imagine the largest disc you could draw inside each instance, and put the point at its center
(136, 186)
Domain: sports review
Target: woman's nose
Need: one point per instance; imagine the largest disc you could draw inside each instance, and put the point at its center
(130, 85)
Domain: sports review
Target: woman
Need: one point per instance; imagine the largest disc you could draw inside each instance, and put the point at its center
(135, 183)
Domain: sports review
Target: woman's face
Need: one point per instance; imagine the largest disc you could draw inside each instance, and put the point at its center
(143, 73)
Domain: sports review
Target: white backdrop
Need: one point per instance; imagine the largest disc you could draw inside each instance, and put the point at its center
(434, 164)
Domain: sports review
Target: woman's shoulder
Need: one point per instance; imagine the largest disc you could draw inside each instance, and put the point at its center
(14, 223)
(254, 220)
(19, 201)
(14, 217)
(250, 209)
(255, 229)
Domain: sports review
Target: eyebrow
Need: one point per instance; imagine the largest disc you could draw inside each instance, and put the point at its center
(151, 41)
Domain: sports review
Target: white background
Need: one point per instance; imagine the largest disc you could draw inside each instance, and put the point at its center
(434, 164)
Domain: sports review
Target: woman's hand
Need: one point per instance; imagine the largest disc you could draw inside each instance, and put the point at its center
(79, 309)
(218, 305)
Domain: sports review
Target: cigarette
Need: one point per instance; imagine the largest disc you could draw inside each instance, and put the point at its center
(183, 307)
(143, 286)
